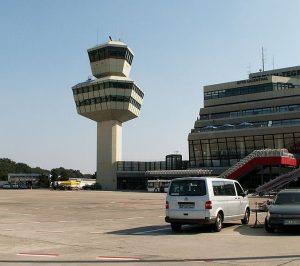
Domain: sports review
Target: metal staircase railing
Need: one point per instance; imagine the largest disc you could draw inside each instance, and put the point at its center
(257, 154)
(279, 181)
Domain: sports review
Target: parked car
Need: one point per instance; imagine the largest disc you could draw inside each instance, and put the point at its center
(14, 186)
(205, 200)
(6, 186)
(285, 211)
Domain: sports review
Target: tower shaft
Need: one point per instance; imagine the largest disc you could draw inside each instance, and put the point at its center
(109, 151)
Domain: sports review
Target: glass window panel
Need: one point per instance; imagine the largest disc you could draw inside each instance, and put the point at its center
(269, 144)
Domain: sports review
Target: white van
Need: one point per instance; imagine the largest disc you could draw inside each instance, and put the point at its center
(205, 200)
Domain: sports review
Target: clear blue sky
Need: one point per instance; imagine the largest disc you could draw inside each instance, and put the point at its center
(179, 47)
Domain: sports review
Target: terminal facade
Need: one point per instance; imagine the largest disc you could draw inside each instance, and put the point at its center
(241, 116)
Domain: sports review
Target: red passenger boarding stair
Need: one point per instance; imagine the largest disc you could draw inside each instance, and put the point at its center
(265, 157)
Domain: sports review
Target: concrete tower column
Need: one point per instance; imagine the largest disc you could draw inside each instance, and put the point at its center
(109, 151)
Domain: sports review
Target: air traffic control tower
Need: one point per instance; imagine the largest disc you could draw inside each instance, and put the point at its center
(111, 99)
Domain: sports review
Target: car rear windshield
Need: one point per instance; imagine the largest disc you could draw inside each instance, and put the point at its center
(288, 198)
(188, 188)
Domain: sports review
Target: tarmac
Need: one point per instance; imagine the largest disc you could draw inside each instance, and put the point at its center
(44, 227)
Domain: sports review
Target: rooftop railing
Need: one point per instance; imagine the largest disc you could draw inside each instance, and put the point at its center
(264, 124)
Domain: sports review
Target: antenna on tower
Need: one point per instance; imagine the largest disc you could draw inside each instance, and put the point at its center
(263, 59)
(273, 62)
(97, 36)
(248, 69)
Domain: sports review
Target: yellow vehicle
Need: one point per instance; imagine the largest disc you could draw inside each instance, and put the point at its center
(70, 184)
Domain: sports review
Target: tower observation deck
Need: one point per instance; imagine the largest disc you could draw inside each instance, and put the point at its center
(110, 99)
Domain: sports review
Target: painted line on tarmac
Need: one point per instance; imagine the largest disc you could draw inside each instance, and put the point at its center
(26, 214)
(45, 231)
(128, 218)
(108, 258)
(37, 255)
(130, 203)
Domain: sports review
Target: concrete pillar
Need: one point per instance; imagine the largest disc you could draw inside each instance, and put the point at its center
(109, 151)
(279, 144)
(242, 149)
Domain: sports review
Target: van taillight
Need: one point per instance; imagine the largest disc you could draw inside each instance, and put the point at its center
(167, 205)
(208, 205)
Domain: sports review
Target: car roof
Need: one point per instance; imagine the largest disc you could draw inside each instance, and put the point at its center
(202, 178)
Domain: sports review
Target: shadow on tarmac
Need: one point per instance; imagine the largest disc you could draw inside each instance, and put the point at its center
(247, 230)
(260, 231)
(166, 230)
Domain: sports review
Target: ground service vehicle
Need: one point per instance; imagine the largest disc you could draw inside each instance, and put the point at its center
(285, 211)
(205, 200)
(69, 184)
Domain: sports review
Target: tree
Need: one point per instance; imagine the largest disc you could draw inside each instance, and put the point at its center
(8, 166)
(43, 181)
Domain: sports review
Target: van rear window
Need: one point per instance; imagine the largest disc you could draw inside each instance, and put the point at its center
(188, 188)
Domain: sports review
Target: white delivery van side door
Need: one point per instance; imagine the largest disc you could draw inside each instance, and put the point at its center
(225, 197)
(242, 199)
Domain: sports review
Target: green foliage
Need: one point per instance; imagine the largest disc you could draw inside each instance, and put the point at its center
(57, 174)
(62, 174)
(89, 176)
(8, 166)
(44, 181)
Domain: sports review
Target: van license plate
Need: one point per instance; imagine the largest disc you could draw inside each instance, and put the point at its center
(186, 205)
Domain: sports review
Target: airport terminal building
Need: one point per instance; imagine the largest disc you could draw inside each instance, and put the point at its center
(245, 115)
(261, 114)
(247, 130)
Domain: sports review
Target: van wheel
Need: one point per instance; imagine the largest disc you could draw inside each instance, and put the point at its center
(175, 227)
(217, 227)
(246, 218)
